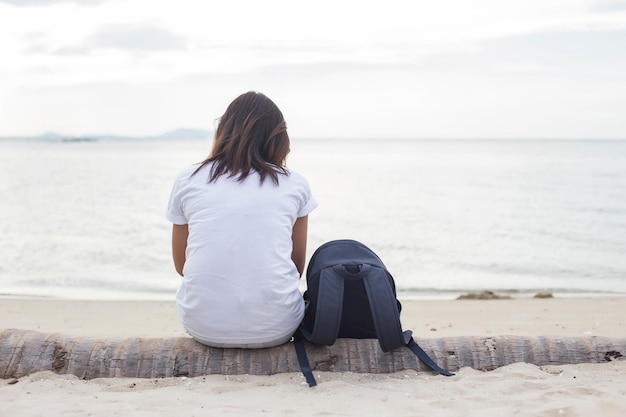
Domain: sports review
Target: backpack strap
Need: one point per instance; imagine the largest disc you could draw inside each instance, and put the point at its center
(327, 319)
(328, 309)
(387, 319)
(415, 348)
(384, 309)
(303, 360)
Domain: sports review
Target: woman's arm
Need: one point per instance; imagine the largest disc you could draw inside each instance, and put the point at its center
(298, 237)
(180, 232)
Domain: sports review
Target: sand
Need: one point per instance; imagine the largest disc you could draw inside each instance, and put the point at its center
(515, 390)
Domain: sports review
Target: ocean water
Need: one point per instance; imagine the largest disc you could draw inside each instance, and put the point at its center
(86, 219)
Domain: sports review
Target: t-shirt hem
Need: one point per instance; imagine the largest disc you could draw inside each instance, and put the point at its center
(241, 342)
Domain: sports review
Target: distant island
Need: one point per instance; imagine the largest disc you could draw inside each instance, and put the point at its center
(181, 133)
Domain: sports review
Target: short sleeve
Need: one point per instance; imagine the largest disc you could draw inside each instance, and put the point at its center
(308, 202)
(174, 212)
(308, 207)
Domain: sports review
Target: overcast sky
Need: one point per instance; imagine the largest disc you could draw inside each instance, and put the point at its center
(353, 68)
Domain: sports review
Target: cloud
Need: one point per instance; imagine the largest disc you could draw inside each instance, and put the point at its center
(36, 48)
(576, 53)
(138, 39)
(72, 50)
(610, 5)
(364, 61)
(133, 39)
(26, 3)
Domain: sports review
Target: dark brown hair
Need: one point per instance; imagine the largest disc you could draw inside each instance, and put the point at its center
(251, 135)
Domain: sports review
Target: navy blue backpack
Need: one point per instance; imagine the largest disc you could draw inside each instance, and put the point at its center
(350, 294)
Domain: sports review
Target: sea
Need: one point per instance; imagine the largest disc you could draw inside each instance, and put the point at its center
(84, 219)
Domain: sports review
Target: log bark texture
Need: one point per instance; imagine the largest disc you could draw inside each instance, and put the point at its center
(23, 352)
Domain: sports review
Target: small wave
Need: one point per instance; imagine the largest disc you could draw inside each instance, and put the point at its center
(452, 294)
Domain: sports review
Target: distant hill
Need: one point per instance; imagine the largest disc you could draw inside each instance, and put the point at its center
(182, 133)
(49, 136)
(186, 134)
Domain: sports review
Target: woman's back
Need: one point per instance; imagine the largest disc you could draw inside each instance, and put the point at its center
(240, 284)
(239, 235)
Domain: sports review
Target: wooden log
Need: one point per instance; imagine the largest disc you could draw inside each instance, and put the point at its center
(23, 352)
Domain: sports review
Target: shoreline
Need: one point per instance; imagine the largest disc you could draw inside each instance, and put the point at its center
(410, 294)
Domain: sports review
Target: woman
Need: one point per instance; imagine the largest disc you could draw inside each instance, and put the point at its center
(239, 232)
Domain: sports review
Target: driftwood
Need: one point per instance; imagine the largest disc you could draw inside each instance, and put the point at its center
(23, 352)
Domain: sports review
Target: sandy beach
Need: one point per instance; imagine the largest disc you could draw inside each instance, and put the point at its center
(515, 390)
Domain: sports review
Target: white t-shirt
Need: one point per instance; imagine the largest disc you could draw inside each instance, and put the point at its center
(239, 283)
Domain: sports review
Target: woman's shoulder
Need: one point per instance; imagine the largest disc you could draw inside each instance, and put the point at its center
(295, 177)
(187, 173)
